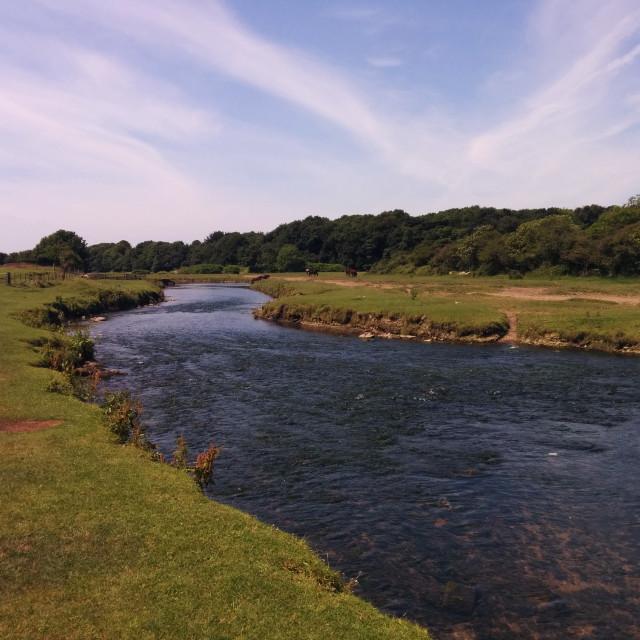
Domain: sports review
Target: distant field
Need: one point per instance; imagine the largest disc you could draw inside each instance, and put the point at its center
(591, 313)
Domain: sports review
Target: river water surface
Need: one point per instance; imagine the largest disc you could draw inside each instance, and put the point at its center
(483, 491)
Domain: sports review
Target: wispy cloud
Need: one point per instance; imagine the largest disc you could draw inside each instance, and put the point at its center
(95, 120)
(216, 39)
(580, 103)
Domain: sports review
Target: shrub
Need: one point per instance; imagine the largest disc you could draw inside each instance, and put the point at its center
(60, 384)
(66, 353)
(203, 467)
(122, 415)
(181, 454)
(203, 268)
(231, 268)
(325, 266)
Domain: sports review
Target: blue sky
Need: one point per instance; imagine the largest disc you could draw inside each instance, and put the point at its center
(171, 119)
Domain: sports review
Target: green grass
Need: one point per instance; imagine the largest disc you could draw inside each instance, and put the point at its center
(413, 310)
(464, 307)
(592, 324)
(98, 541)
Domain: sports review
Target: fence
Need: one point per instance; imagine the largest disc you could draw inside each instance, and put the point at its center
(18, 277)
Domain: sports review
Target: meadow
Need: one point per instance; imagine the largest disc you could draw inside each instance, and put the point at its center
(99, 541)
(589, 313)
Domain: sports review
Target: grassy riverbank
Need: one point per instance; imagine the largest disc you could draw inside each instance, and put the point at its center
(589, 313)
(98, 541)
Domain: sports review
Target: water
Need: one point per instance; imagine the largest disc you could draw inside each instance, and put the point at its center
(482, 491)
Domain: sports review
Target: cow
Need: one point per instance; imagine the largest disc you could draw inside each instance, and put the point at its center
(262, 277)
(352, 273)
(310, 271)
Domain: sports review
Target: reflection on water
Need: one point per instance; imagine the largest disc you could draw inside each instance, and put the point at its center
(482, 491)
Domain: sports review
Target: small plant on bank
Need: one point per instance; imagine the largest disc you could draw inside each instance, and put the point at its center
(181, 454)
(67, 352)
(121, 415)
(203, 468)
(60, 384)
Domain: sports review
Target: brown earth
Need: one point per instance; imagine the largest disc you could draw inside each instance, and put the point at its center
(23, 426)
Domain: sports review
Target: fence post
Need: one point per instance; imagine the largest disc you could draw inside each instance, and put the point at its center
(8, 278)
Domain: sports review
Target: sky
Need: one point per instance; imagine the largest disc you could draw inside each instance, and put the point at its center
(172, 119)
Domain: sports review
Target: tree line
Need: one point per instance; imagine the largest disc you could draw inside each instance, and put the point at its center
(588, 240)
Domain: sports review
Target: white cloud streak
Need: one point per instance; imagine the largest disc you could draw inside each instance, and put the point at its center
(551, 134)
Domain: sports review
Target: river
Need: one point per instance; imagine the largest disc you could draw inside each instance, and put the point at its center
(483, 491)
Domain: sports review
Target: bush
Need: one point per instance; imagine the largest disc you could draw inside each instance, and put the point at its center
(60, 384)
(231, 268)
(67, 353)
(181, 454)
(122, 416)
(203, 467)
(203, 268)
(325, 267)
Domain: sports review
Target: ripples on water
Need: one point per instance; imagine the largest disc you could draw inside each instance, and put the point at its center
(482, 491)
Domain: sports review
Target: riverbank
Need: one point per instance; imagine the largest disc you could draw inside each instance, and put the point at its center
(99, 541)
(592, 314)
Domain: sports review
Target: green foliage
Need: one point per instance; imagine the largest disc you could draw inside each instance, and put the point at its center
(60, 384)
(482, 240)
(231, 268)
(614, 219)
(202, 268)
(67, 353)
(290, 259)
(325, 267)
(63, 248)
(181, 454)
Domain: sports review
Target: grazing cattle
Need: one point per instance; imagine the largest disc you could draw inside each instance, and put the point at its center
(351, 273)
(311, 272)
(262, 277)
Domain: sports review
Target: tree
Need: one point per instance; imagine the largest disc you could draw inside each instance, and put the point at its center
(62, 248)
(545, 241)
(289, 258)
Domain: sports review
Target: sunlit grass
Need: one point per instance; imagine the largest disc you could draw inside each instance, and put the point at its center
(586, 323)
(563, 310)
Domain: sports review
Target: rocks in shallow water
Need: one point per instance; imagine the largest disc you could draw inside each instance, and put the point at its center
(90, 369)
(460, 598)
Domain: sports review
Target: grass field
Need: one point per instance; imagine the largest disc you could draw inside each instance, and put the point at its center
(590, 313)
(98, 541)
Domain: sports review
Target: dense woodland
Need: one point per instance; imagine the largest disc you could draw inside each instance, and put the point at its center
(590, 240)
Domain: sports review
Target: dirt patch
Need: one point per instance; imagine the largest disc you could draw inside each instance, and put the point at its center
(347, 282)
(22, 426)
(511, 335)
(542, 293)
